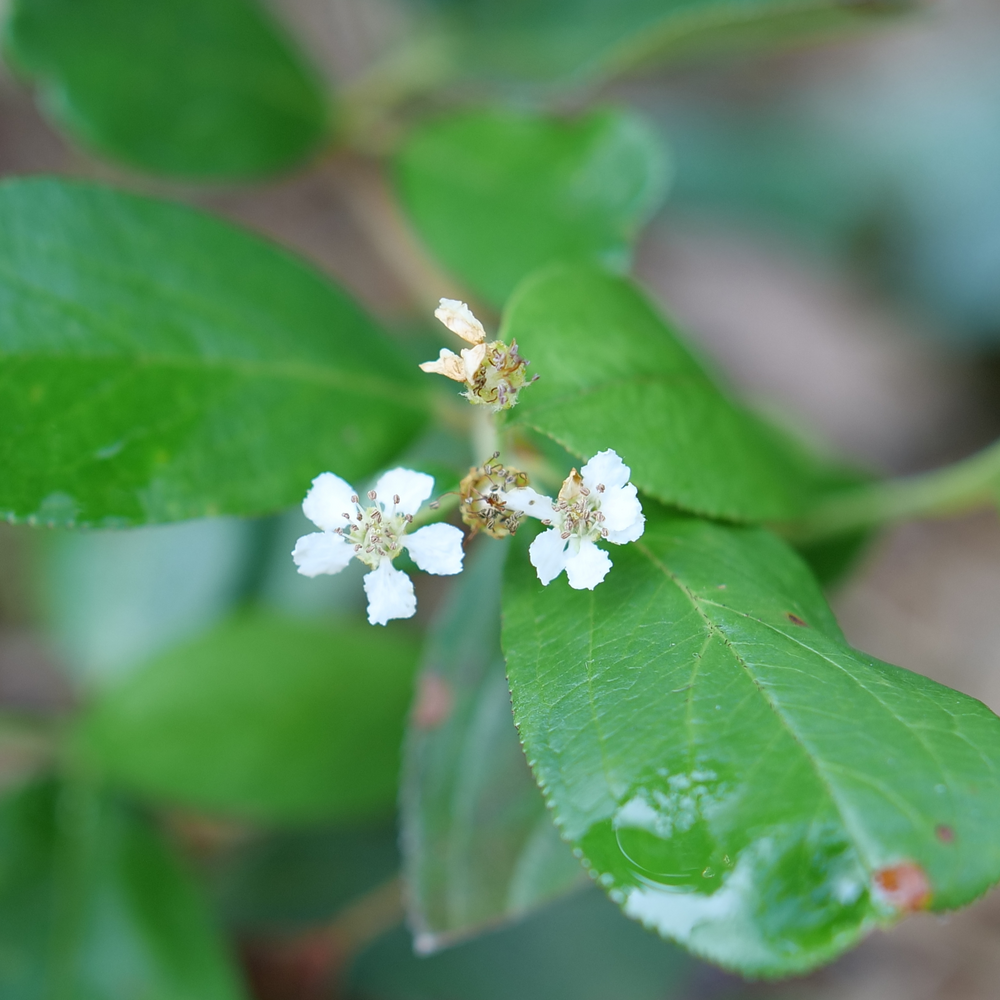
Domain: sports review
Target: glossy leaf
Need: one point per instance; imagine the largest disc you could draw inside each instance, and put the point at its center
(191, 88)
(734, 773)
(579, 948)
(479, 846)
(496, 194)
(156, 365)
(578, 39)
(94, 904)
(264, 717)
(613, 373)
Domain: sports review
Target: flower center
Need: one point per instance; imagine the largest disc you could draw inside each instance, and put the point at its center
(578, 509)
(481, 493)
(374, 534)
(500, 376)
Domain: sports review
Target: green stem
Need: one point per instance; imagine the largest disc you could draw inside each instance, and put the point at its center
(971, 483)
(485, 441)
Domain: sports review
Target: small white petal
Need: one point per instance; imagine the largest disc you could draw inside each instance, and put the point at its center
(629, 534)
(472, 358)
(328, 501)
(321, 552)
(437, 549)
(448, 364)
(390, 594)
(412, 488)
(526, 500)
(605, 469)
(587, 567)
(621, 509)
(548, 555)
(457, 316)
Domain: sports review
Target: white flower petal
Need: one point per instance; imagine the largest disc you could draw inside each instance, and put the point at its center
(457, 316)
(412, 488)
(548, 555)
(526, 500)
(587, 567)
(321, 552)
(448, 364)
(437, 549)
(390, 594)
(621, 508)
(472, 358)
(605, 469)
(328, 501)
(630, 533)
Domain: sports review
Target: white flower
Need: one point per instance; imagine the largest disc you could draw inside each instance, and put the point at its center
(596, 503)
(493, 373)
(374, 531)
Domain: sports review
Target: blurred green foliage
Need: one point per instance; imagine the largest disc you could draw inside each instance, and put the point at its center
(263, 717)
(207, 89)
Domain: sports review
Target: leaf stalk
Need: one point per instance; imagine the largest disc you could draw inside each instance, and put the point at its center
(966, 485)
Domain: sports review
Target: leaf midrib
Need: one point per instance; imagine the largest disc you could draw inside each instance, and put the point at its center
(316, 372)
(292, 371)
(712, 627)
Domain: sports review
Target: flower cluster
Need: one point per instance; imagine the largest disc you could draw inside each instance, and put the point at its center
(374, 530)
(493, 373)
(596, 503)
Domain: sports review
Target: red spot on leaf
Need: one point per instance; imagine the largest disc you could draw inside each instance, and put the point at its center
(944, 833)
(434, 701)
(904, 886)
(796, 620)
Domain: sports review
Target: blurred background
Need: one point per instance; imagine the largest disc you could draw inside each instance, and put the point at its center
(831, 242)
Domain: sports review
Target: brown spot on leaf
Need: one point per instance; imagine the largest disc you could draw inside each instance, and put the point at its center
(944, 833)
(796, 620)
(904, 886)
(434, 701)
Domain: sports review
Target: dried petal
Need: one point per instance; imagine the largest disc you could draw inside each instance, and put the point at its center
(457, 316)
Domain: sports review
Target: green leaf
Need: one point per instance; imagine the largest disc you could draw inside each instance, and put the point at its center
(613, 373)
(496, 194)
(264, 717)
(94, 904)
(573, 40)
(157, 365)
(207, 89)
(580, 948)
(479, 845)
(734, 773)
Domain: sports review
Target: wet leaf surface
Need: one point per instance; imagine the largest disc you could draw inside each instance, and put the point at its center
(735, 775)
